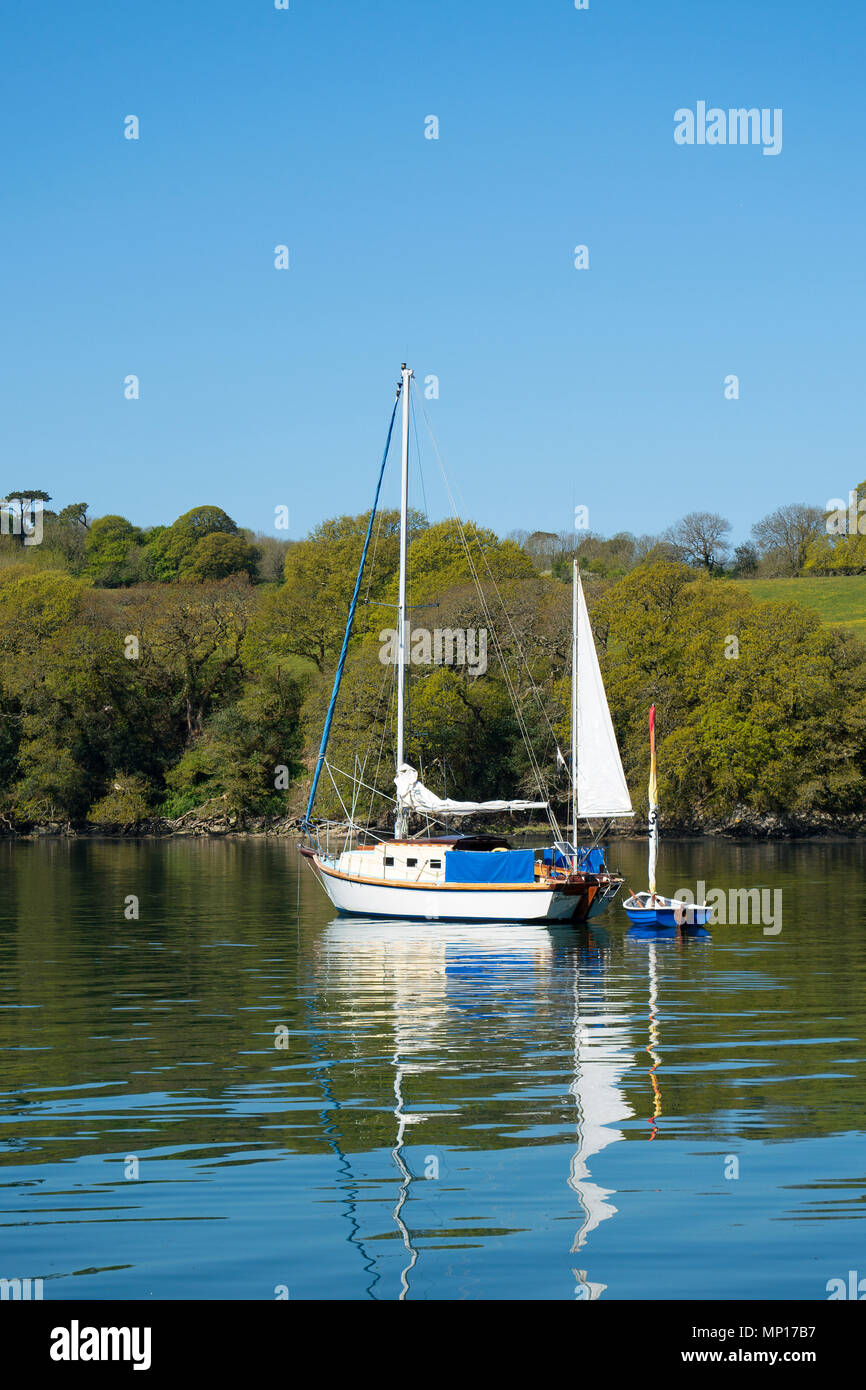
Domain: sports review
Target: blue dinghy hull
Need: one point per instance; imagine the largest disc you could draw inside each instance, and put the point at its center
(644, 911)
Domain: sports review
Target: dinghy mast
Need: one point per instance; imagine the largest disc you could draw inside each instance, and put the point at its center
(653, 806)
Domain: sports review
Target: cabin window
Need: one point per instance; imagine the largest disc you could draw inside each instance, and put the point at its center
(435, 863)
(389, 861)
(411, 863)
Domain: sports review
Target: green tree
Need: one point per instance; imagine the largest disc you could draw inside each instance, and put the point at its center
(17, 511)
(218, 555)
(171, 548)
(306, 617)
(112, 549)
(439, 558)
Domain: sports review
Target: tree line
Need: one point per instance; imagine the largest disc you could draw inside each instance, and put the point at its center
(112, 552)
(164, 672)
(795, 539)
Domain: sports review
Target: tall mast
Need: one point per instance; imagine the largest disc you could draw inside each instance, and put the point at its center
(575, 580)
(400, 822)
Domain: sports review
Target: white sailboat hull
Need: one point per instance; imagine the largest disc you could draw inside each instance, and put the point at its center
(444, 903)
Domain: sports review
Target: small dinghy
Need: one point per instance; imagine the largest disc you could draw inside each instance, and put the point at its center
(651, 909)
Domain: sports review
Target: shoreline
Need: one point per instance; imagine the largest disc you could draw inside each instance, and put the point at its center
(746, 826)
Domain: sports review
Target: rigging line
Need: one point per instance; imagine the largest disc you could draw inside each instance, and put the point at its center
(521, 723)
(385, 721)
(497, 644)
(372, 570)
(533, 687)
(331, 769)
(372, 722)
(338, 674)
(421, 771)
(333, 1138)
(371, 728)
(375, 775)
(356, 783)
(418, 457)
(337, 790)
(520, 651)
(406, 1175)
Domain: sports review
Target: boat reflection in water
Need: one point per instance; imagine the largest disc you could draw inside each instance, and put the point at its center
(653, 938)
(451, 999)
(601, 1056)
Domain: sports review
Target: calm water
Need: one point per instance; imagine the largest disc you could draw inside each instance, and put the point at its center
(221, 1098)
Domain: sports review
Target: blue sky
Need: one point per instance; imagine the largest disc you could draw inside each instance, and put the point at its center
(306, 127)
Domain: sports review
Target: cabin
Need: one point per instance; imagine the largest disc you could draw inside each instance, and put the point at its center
(455, 859)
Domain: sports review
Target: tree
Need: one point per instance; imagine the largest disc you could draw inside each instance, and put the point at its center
(439, 558)
(111, 551)
(781, 728)
(68, 534)
(272, 557)
(56, 669)
(745, 560)
(543, 548)
(611, 557)
(218, 555)
(126, 803)
(192, 636)
(75, 514)
(306, 617)
(839, 546)
(700, 539)
(783, 537)
(169, 548)
(17, 509)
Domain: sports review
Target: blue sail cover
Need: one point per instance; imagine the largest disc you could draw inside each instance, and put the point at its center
(489, 866)
(591, 860)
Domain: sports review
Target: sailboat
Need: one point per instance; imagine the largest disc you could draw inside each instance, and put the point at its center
(650, 909)
(474, 877)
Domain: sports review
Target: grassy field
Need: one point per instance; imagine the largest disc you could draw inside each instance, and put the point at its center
(838, 599)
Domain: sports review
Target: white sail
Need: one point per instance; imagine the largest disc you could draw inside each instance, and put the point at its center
(601, 784)
(412, 795)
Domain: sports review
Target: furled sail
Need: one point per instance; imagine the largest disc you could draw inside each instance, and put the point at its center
(653, 805)
(601, 784)
(412, 795)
